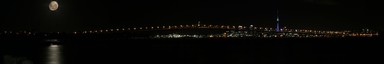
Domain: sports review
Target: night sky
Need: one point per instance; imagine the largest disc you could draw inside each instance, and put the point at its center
(73, 15)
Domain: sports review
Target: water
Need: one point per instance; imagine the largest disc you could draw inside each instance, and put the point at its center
(194, 51)
(54, 55)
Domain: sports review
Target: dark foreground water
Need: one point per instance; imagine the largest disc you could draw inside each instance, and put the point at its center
(194, 51)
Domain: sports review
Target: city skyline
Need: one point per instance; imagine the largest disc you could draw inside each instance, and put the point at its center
(81, 15)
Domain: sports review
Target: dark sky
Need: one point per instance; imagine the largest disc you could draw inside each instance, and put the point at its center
(75, 15)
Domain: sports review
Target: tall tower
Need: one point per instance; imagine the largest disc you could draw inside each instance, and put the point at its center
(277, 21)
(198, 22)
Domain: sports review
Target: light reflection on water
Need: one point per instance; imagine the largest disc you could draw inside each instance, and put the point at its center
(54, 54)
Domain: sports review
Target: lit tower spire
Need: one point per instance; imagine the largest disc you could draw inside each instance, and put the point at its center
(277, 21)
(198, 22)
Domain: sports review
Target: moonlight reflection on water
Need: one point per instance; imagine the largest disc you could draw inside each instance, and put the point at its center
(54, 54)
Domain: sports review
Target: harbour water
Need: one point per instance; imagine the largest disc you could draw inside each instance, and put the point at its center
(193, 51)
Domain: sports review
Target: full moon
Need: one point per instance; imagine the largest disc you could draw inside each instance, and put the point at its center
(53, 6)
